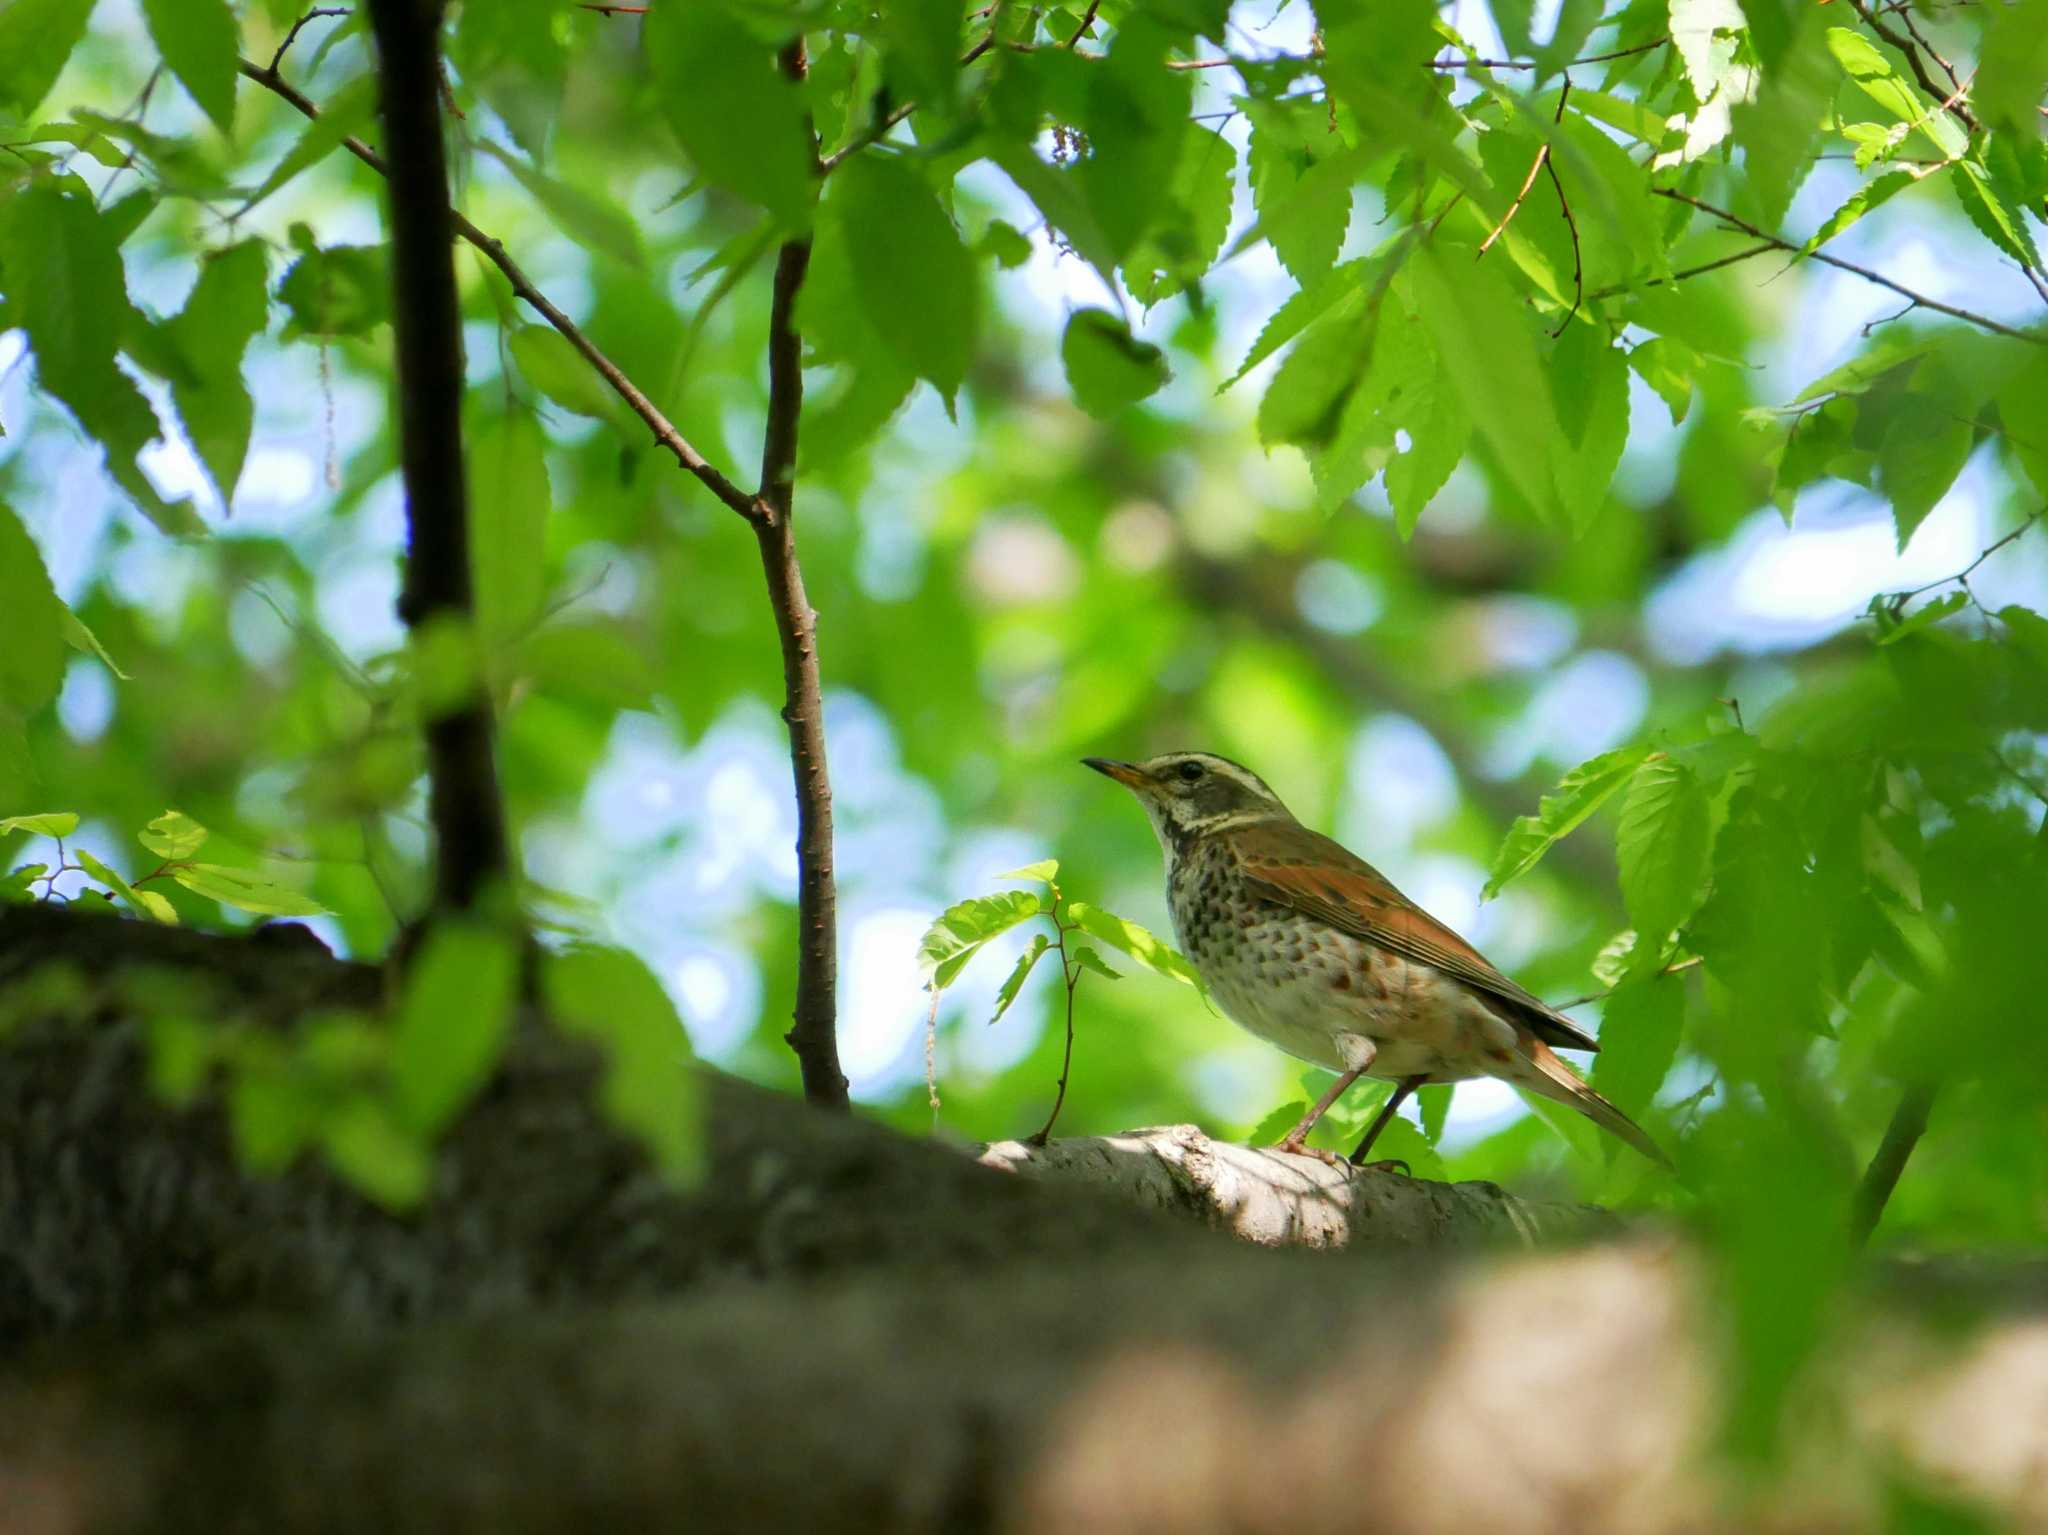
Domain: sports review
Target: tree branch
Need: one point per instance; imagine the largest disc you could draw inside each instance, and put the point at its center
(1908, 1124)
(472, 854)
(493, 249)
(1983, 322)
(813, 1028)
(1950, 96)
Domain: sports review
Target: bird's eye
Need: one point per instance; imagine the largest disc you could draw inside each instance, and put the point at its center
(1190, 771)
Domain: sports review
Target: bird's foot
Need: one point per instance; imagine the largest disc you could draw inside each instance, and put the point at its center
(1295, 1146)
(1387, 1166)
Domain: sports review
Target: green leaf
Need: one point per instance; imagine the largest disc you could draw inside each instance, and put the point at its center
(1344, 286)
(452, 1022)
(56, 823)
(593, 222)
(610, 996)
(958, 932)
(1920, 458)
(1998, 220)
(32, 659)
(2013, 67)
(344, 290)
(228, 308)
(1589, 380)
(509, 504)
(1662, 847)
(1483, 339)
(1005, 243)
(1108, 369)
(1126, 937)
(739, 120)
(1304, 403)
(347, 113)
(1042, 871)
(1303, 198)
(1014, 982)
(1184, 244)
(1924, 617)
(173, 835)
(244, 891)
(924, 50)
(554, 367)
(1869, 196)
(67, 289)
(919, 285)
(2023, 412)
(148, 902)
(1137, 121)
(1669, 367)
(1433, 1107)
(1639, 1030)
(1862, 61)
(180, 1056)
(200, 42)
(272, 1115)
(1271, 1130)
(1086, 958)
(82, 639)
(599, 660)
(36, 37)
(373, 1150)
(1578, 794)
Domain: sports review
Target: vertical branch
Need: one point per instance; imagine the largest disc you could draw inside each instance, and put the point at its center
(1908, 1124)
(813, 1029)
(468, 817)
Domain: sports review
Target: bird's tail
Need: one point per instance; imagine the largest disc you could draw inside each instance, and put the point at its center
(1543, 1072)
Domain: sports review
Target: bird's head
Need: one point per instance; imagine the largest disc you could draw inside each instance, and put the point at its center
(1188, 794)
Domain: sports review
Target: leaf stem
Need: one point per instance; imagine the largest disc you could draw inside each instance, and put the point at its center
(1070, 973)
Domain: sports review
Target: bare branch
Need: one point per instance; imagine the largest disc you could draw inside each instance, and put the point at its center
(1951, 97)
(316, 14)
(1564, 206)
(493, 249)
(813, 1028)
(1983, 322)
(472, 854)
(1908, 1124)
(1591, 58)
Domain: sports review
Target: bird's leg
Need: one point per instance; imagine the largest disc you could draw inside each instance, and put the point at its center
(1296, 1139)
(1407, 1086)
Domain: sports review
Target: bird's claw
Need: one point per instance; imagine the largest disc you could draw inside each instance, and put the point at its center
(1386, 1167)
(1302, 1149)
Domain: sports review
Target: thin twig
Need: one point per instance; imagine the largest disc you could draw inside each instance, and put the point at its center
(472, 852)
(813, 1029)
(1591, 58)
(1969, 570)
(1908, 1124)
(663, 430)
(1675, 968)
(1984, 322)
(1680, 276)
(1070, 972)
(1564, 206)
(1087, 21)
(1528, 181)
(277, 58)
(1953, 102)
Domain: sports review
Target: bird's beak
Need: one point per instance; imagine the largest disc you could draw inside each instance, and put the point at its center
(1129, 774)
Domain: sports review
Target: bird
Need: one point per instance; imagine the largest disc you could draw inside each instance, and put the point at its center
(1309, 947)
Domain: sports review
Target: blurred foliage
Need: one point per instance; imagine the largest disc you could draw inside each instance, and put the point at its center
(1324, 391)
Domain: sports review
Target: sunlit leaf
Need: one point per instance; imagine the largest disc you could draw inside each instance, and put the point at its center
(245, 891)
(1578, 794)
(173, 835)
(60, 823)
(958, 932)
(1108, 368)
(452, 1023)
(148, 902)
(198, 40)
(739, 120)
(612, 997)
(1662, 846)
(1639, 1031)
(1127, 937)
(1021, 972)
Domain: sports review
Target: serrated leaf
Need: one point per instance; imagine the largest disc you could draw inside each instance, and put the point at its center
(36, 37)
(1304, 402)
(1662, 847)
(1136, 122)
(1345, 286)
(173, 835)
(1669, 367)
(1129, 938)
(1639, 1032)
(1864, 63)
(2023, 412)
(1184, 244)
(452, 1022)
(82, 639)
(148, 902)
(1014, 982)
(2003, 224)
(1562, 811)
(1919, 460)
(1871, 195)
(1108, 368)
(347, 113)
(1303, 199)
(1042, 871)
(67, 289)
(1086, 958)
(739, 120)
(919, 286)
(199, 41)
(1273, 1128)
(1612, 962)
(228, 307)
(1589, 379)
(32, 659)
(55, 823)
(958, 932)
(2013, 67)
(1486, 347)
(246, 892)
